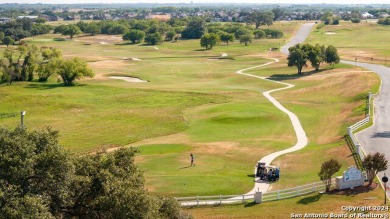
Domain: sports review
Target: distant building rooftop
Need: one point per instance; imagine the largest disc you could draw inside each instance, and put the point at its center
(29, 17)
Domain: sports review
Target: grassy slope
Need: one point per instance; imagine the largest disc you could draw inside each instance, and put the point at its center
(322, 104)
(220, 115)
(363, 41)
(227, 137)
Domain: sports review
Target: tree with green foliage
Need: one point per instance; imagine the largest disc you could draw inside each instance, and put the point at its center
(135, 36)
(154, 39)
(226, 37)
(71, 30)
(39, 179)
(60, 29)
(327, 18)
(1, 36)
(46, 63)
(259, 34)
(117, 29)
(328, 169)
(209, 40)
(70, 70)
(373, 164)
(242, 31)
(92, 29)
(30, 63)
(332, 56)
(8, 41)
(317, 55)
(356, 17)
(195, 29)
(170, 35)
(11, 66)
(261, 18)
(272, 33)
(247, 38)
(278, 12)
(297, 57)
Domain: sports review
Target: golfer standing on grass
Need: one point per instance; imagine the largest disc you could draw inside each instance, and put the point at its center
(192, 160)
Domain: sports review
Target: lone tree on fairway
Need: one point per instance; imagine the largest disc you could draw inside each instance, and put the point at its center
(247, 38)
(332, 56)
(70, 70)
(374, 163)
(8, 41)
(298, 57)
(39, 179)
(209, 40)
(226, 37)
(135, 36)
(71, 30)
(328, 168)
(154, 39)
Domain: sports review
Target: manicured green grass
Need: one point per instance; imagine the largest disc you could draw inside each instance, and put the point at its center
(90, 117)
(193, 103)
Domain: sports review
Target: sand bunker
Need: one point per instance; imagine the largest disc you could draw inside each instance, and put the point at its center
(224, 55)
(128, 79)
(103, 43)
(155, 47)
(330, 33)
(133, 59)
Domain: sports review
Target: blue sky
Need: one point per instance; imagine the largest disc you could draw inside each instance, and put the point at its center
(201, 1)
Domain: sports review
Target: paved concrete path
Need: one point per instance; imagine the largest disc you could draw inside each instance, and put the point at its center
(260, 185)
(302, 140)
(377, 137)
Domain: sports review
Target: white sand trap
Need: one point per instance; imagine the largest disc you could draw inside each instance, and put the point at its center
(133, 59)
(103, 43)
(155, 47)
(128, 79)
(330, 33)
(224, 55)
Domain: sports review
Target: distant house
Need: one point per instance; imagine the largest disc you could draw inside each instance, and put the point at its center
(4, 20)
(383, 15)
(27, 17)
(367, 15)
(49, 18)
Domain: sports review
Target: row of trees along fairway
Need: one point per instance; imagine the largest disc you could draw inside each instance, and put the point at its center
(25, 62)
(39, 179)
(372, 164)
(301, 53)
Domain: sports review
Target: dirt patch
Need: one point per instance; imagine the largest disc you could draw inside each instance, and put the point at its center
(357, 190)
(214, 147)
(100, 39)
(104, 67)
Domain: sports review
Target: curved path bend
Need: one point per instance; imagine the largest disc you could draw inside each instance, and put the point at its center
(302, 140)
(260, 185)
